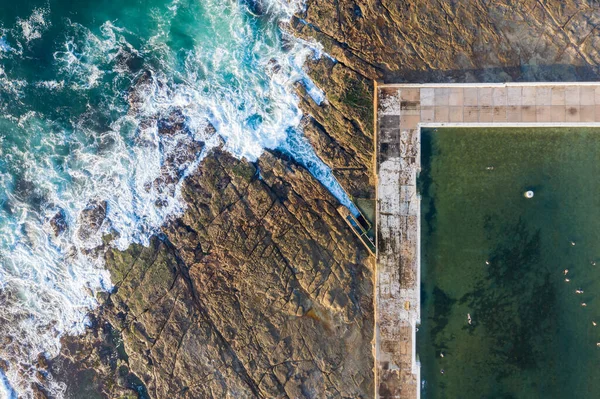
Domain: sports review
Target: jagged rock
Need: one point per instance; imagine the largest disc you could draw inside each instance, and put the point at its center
(58, 223)
(91, 218)
(38, 392)
(172, 124)
(128, 59)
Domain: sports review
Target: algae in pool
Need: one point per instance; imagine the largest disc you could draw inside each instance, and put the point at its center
(510, 284)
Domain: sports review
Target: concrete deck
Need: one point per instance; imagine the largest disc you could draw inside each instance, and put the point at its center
(401, 110)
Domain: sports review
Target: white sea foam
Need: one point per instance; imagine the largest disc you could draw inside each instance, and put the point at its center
(33, 27)
(235, 79)
(4, 46)
(6, 392)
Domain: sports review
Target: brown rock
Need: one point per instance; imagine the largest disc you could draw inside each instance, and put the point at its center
(91, 218)
(58, 223)
(238, 299)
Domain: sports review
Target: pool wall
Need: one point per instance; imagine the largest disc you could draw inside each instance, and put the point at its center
(401, 111)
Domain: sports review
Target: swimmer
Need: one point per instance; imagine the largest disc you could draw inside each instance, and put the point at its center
(442, 371)
(566, 272)
(567, 280)
(598, 344)
(573, 243)
(583, 304)
(441, 354)
(490, 168)
(594, 323)
(579, 291)
(487, 262)
(469, 320)
(593, 263)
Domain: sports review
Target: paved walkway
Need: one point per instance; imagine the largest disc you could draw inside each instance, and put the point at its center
(401, 111)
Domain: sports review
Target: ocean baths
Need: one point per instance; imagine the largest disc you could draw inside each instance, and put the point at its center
(404, 112)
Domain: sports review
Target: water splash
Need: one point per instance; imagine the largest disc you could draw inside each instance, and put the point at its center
(298, 147)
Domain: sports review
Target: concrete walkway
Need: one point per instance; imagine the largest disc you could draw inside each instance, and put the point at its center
(401, 110)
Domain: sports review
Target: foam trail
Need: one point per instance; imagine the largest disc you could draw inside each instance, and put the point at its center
(6, 392)
(297, 146)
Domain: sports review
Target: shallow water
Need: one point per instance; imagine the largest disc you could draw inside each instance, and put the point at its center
(73, 132)
(493, 254)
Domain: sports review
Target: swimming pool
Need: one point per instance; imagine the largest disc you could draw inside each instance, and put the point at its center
(509, 283)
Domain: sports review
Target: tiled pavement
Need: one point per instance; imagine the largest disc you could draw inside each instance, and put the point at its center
(401, 110)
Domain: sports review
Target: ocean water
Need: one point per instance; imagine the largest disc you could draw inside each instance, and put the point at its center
(526, 271)
(88, 93)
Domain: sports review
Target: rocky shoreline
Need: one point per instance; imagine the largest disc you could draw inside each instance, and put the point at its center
(260, 289)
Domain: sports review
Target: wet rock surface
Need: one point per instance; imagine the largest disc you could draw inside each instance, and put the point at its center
(259, 290)
(91, 219)
(58, 223)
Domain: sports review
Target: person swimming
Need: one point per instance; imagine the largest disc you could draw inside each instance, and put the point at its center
(579, 291)
(566, 272)
(469, 320)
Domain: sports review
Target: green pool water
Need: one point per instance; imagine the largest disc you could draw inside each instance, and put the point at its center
(489, 252)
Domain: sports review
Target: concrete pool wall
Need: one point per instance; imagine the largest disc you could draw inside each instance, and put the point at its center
(400, 112)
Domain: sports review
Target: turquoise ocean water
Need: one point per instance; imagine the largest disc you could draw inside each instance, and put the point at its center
(84, 89)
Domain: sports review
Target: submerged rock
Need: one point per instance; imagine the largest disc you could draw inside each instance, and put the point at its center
(140, 90)
(58, 223)
(91, 218)
(172, 124)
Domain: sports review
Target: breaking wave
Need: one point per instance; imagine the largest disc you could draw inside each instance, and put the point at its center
(100, 124)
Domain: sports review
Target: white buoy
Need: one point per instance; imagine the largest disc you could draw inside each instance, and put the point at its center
(529, 194)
